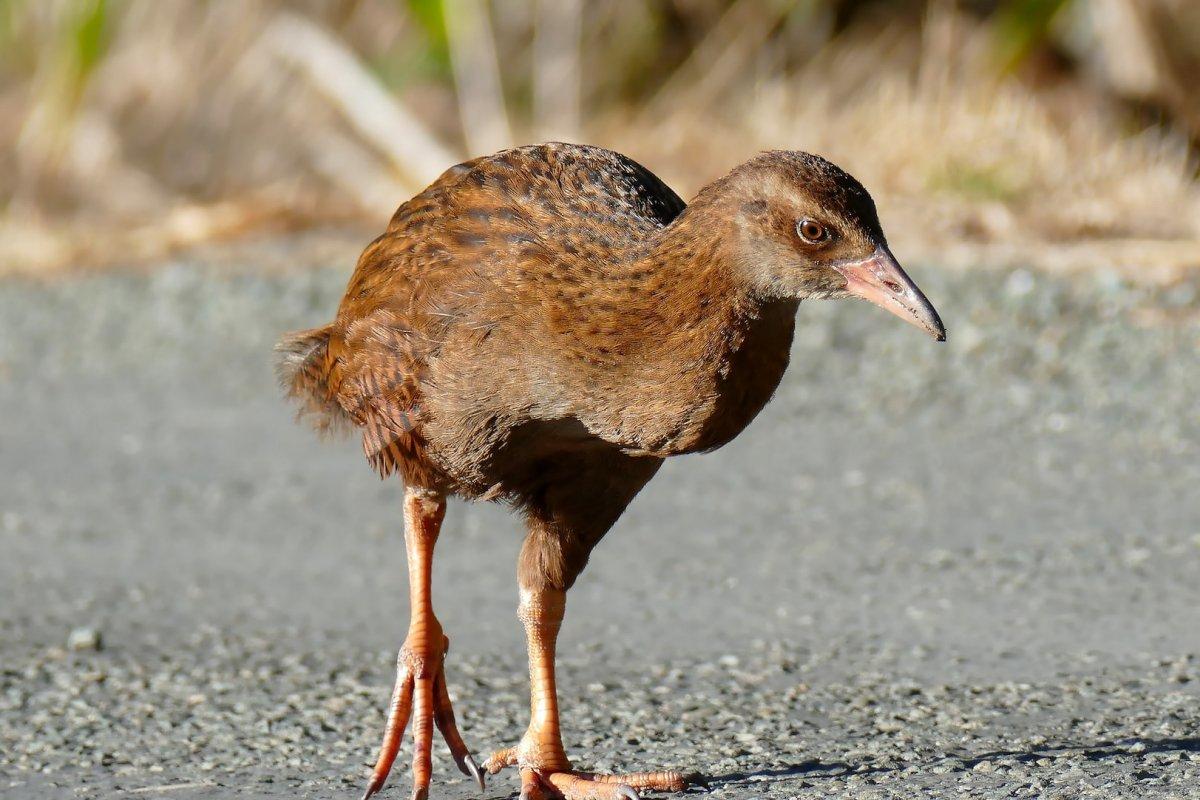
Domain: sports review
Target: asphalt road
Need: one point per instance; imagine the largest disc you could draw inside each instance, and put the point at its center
(959, 570)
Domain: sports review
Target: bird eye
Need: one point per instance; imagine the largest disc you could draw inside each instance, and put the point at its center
(812, 231)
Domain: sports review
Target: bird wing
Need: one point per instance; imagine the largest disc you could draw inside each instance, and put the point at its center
(393, 320)
(447, 265)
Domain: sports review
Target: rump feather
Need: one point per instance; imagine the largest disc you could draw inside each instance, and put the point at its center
(303, 365)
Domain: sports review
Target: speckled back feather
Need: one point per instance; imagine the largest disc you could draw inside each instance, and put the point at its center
(483, 223)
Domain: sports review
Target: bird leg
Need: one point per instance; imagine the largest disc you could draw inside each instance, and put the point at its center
(545, 770)
(420, 689)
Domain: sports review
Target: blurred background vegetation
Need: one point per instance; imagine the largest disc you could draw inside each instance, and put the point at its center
(1059, 132)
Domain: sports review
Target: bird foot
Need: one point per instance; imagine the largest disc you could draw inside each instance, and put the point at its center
(421, 691)
(547, 784)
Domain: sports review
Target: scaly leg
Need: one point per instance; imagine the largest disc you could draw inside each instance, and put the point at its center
(545, 769)
(420, 678)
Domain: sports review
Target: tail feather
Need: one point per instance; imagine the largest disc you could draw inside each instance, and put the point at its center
(303, 366)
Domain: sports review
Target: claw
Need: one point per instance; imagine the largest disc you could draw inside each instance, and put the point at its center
(374, 786)
(469, 767)
(627, 792)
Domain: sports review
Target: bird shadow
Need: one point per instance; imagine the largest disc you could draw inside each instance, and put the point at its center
(816, 768)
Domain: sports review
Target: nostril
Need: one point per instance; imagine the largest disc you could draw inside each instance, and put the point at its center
(892, 286)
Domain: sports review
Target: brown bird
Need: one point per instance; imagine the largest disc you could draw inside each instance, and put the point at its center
(543, 327)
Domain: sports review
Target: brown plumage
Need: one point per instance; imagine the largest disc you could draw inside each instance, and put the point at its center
(544, 326)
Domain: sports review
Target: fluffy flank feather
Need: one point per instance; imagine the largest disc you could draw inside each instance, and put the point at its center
(303, 368)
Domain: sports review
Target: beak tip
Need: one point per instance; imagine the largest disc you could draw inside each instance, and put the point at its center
(880, 280)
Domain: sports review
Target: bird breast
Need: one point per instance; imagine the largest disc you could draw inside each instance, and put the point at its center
(695, 392)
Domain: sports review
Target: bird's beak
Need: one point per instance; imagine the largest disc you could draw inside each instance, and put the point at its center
(880, 279)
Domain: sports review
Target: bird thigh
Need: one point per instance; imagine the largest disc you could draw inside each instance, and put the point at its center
(570, 515)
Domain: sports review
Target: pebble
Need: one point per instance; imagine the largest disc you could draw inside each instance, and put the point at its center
(162, 713)
(84, 639)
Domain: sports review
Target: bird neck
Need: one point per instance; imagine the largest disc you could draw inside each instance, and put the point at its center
(692, 286)
(686, 353)
(706, 332)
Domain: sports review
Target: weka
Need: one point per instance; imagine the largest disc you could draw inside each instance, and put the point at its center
(543, 327)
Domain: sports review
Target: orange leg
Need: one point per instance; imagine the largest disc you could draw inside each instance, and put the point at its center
(420, 679)
(545, 769)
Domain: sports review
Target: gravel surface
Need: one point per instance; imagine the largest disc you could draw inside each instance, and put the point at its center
(966, 570)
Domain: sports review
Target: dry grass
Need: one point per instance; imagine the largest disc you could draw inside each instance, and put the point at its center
(966, 168)
(200, 125)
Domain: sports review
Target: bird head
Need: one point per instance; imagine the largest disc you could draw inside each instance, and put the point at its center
(805, 228)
